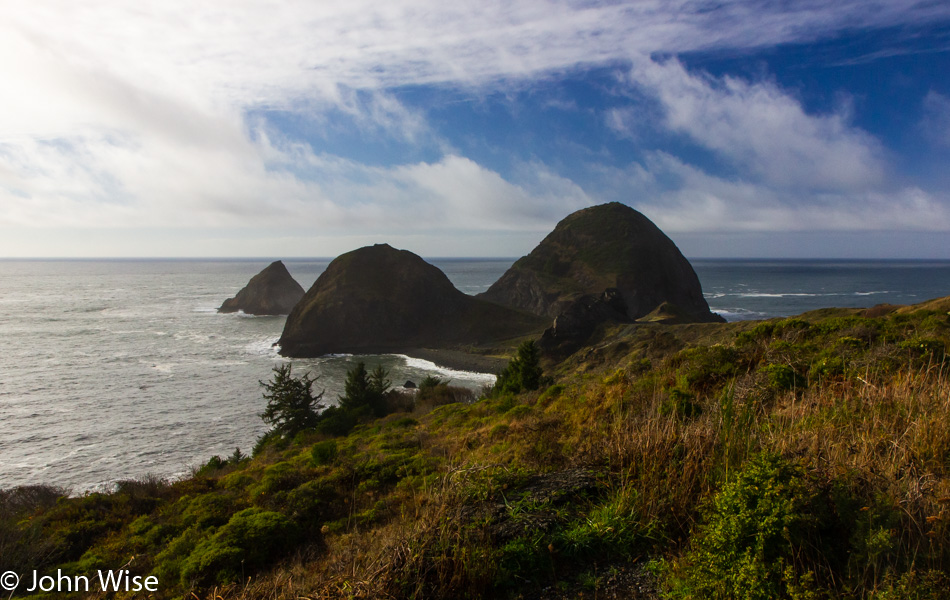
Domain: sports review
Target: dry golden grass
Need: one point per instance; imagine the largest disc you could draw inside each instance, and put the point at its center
(888, 438)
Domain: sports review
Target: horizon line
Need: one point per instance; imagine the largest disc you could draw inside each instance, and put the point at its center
(330, 258)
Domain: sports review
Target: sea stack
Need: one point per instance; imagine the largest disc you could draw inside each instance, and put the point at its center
(271, 292)
(379, 299)
(599, 248)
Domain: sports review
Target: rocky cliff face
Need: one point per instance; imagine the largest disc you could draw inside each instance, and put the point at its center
(379, 299)
(271, 292)
(580, 320)
(591, 250)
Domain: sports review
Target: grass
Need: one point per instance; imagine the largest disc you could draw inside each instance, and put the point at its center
(813, 453)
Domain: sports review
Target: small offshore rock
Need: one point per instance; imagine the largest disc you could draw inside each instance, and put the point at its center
(271, 292)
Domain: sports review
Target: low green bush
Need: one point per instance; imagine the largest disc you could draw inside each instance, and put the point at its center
(705, 367)
(251, 539)
(323, 453)
(757, 536)
(783, 377)
(915, 585)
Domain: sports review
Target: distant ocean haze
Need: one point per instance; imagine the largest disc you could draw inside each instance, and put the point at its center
(113, 369)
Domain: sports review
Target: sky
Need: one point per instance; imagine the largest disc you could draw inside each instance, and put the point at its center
(237, 128)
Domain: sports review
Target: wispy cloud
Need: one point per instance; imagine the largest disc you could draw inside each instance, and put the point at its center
(147, 113)
(683, 198)
(764, 131)
(790, 170)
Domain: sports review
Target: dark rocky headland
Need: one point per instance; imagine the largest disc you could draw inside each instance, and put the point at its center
(380, 299)
(599, 248)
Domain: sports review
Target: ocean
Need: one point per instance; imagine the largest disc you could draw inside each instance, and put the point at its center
(114, 369)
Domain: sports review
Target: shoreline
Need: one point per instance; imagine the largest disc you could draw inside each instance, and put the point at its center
(459, 360)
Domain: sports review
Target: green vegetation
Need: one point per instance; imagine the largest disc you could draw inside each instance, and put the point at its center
(523, 372)
(803, 458)
(291, 405)
(365, 393)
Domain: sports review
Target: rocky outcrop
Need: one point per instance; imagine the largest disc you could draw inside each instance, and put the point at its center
(591, 250)
(380, 299)
(573, 327)
(271, 292)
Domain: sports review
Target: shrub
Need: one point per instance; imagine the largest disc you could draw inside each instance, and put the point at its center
(323, 453)
(551, 393)
(336, 421)
(783, 377)
(915, 585)
(827, 366)
(705, 367)
(924, 349)
(756, 538)
(761, 331)
(313, 501)
(208, 510)
(23, 544)
(249, 541)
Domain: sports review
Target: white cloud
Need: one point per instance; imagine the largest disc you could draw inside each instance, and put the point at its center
(683, 198)
(125, 114)
(457, 190)
(763, 131)
(274, 182)
(790, 170)
(70, 61)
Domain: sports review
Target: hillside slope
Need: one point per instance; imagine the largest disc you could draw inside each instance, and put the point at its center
(806, 457)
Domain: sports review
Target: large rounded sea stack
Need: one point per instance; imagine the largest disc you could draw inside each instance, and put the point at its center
(602, 247)
(271, 292)
(380, 299)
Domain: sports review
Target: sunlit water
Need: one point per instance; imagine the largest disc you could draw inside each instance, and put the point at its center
(114, 369)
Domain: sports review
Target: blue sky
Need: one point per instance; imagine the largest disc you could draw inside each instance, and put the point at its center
(284, 129)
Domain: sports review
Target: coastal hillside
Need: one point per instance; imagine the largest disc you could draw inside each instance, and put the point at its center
(601, 247)
(380, 299)
(806, 457)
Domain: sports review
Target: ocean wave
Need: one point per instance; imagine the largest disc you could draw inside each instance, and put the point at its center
(428, 365)
(243, 315)
(785, 295)
(807, 294)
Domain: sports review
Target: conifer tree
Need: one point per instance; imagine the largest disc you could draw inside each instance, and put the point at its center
(291, 405)
(523, 372)
(364, 392)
